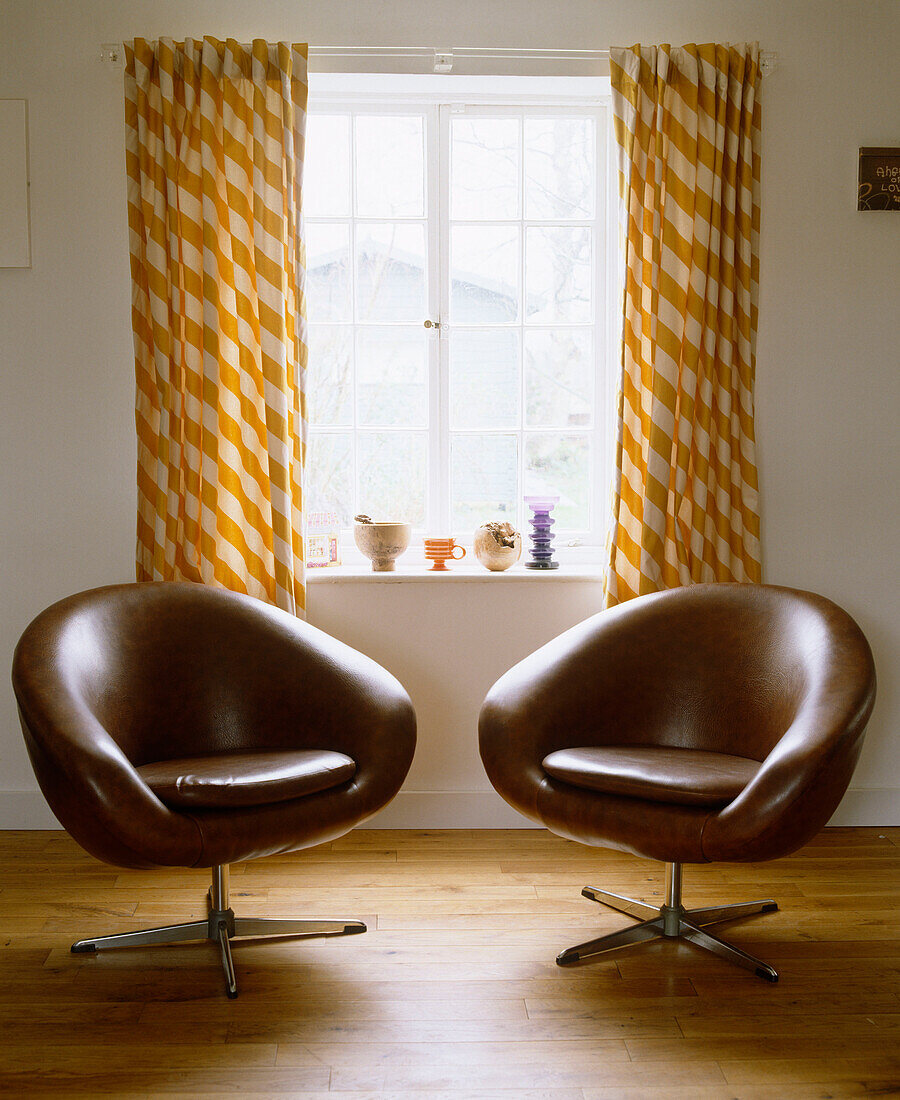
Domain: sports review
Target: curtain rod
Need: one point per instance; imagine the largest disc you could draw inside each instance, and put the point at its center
(443, 58)
(767, 58)
(459, 51)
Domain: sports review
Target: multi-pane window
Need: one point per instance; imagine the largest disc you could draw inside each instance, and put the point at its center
(456, 299)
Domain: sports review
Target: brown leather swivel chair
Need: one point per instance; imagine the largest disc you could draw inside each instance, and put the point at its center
(720, 722)
(175, 725)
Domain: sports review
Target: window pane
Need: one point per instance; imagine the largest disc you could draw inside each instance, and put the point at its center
(559, 378)
(484, 180)
(560, 465)
(329, 463)
(484, 273)
(390, 272)
(391, 377)
(390, 166)
(558, 274)
(484, 472)
(392, 476)
(326, 167)
(484, 378)
(330, 375)
(328, 272)
(559, 168)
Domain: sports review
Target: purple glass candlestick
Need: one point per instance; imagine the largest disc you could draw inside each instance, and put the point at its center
(541, 536)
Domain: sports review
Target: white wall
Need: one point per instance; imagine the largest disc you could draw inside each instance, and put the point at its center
(827, 388)
(448, 639)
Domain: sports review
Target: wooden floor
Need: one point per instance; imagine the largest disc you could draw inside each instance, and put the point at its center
(453, 991)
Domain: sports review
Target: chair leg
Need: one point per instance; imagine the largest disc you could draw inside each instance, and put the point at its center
(633, 908)
(270, 926)
(672, 921)
(221, 927)
(170, 933)
(646, 930)
(727, 951)
(227, 961)
(730, 912)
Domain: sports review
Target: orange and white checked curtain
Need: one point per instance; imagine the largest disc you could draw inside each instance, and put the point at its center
(685, 498)
(215, 135)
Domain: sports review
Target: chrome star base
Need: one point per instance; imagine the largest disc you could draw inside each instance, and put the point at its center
(672, 921)
(220, 927)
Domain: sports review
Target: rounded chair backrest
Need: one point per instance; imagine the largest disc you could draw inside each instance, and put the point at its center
(717, 667)
(174, 670)
(725, 667)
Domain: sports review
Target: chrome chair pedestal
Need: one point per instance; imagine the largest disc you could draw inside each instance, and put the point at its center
(221, 927)
(672, 921)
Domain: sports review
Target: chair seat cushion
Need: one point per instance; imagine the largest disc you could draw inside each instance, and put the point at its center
(686, 777)
(245, 779)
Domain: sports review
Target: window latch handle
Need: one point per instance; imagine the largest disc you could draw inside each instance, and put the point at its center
(432, 324)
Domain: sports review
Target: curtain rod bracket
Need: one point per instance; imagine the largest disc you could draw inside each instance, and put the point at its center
(443, 61)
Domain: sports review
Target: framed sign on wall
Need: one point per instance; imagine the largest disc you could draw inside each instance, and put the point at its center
(879, 179)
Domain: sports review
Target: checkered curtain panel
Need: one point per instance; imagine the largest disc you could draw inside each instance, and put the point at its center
(215, 135)
(685, 496)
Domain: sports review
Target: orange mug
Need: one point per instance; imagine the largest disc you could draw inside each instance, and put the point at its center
(438, 551)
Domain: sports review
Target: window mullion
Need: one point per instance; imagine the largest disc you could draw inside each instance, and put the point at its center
(439, 186)
(521, 518)
(354, 341)
(606, 316)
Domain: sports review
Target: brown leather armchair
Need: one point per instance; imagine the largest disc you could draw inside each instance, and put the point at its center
(176, 725)
(715, 722)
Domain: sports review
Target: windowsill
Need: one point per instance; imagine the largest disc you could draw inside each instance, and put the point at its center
(456, 572)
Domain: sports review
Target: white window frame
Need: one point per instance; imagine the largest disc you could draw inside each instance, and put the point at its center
(439, 98)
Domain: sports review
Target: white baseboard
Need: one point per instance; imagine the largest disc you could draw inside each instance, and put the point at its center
(409, 810)
(448, 810)
(872, 806)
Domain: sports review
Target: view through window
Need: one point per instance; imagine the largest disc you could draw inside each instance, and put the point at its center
(457, 299)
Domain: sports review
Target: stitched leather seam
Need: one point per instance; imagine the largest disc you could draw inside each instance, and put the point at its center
(706, 821)
(199, 860)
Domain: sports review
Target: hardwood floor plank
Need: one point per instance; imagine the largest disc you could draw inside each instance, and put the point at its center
(476, 1053)
(512, 1076)
(831, 1091)
(415, 1094)
(752, 1048)
(885, 1026)
(62, 1034)
(733, 1008)
(283, 1029)
(163, 1080)
(882, 1069)
(71, 1057)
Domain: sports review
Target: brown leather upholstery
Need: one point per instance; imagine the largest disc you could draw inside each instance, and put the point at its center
(687, 777)
(112, 682)
(245, 778)
(762, 674)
